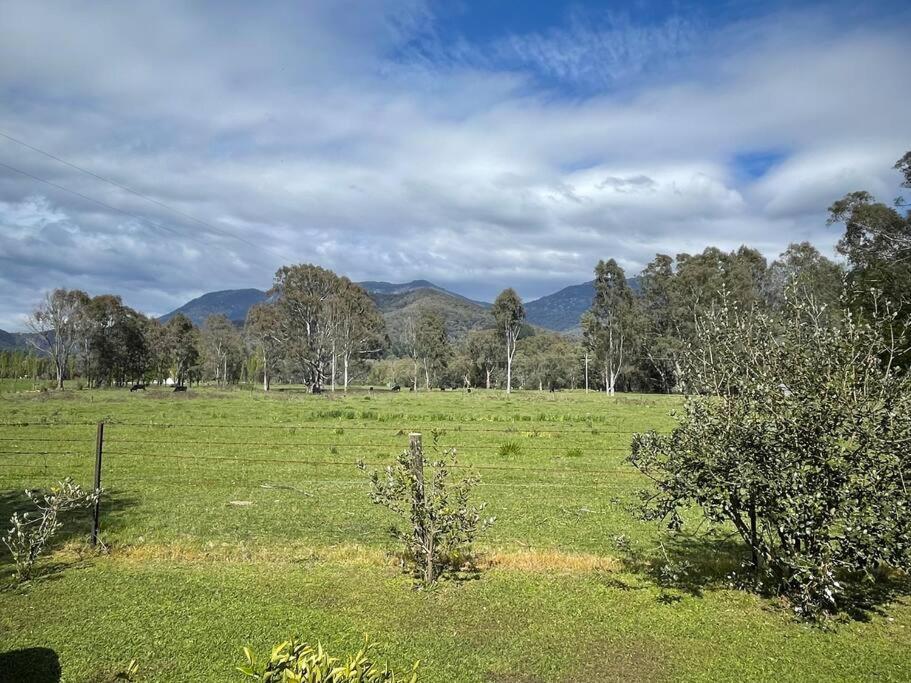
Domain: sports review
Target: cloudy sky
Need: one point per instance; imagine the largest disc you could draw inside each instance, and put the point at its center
(478, 144)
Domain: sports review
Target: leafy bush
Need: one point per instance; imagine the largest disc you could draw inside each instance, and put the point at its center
(299, 661)
(31, 531)
(441, 522)
(797, 435)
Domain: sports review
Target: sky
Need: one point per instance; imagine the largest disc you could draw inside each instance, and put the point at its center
(477, 144)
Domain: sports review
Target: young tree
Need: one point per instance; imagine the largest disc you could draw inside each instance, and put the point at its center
(611, 326)
(56, 325)
(263, 331)
(509, 313)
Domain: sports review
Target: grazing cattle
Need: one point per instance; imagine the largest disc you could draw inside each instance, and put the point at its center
(410, 388)
(138, 387)
(370, 389)
(395, 387)
(180, 387)
(469, 390)
(316, 389)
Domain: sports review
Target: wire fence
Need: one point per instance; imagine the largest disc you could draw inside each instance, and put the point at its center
(181, 457)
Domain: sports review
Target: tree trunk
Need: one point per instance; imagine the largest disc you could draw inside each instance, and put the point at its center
(508, 372)
(346, 372)
(488, 377)
(59, 367)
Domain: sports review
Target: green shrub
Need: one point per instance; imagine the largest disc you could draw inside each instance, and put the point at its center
(574, 453)
(298, 661)
(796, 434)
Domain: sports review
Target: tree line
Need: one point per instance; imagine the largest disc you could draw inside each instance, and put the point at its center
(321, 329)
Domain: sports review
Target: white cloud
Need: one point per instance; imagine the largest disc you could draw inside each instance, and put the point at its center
(318, 132)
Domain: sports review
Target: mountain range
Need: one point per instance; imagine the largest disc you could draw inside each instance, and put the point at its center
(559, 312)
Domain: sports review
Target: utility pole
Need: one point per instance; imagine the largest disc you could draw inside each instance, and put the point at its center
(586, 371)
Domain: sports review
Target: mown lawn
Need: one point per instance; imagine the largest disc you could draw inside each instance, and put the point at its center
(235, 518)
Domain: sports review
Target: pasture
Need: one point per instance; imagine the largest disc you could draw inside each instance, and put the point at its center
(237, 518)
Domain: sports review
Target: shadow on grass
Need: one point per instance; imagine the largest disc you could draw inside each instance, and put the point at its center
(77, 525)
(693, 564)
(30, 665)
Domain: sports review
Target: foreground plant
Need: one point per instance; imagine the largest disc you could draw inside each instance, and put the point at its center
(442, 523)
(298, 661)
(32, 531)
(797, 434)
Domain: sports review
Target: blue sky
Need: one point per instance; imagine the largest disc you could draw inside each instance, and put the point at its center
(476, 144)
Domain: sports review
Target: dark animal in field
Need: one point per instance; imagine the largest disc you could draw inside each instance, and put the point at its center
(369, 388)
(395, 387)
(316, 389)
(180, 388)
(138, 387)
(410, 388)
(469, 390)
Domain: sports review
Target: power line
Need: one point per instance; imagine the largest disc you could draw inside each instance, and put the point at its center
(127, 189)
(91, 199)
(155, 224)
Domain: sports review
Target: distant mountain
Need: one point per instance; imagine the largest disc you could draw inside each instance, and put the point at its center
(372, 287)
(459, 313)
(233, 303)
(562, 311)
(10, 341)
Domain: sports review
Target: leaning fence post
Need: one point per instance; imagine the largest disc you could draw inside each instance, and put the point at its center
(96, 511)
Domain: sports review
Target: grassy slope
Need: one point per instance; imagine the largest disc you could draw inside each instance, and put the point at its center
(192, 577)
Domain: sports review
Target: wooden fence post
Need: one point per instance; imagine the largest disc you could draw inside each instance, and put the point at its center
(96, 511)
(418, 516)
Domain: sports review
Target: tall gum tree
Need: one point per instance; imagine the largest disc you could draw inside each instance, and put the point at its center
(509, 313)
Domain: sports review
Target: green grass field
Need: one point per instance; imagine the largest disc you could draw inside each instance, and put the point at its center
(235, 518)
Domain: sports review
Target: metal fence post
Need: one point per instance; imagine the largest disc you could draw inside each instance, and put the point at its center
(96, 512)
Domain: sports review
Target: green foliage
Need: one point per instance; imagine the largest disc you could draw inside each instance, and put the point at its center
(32, 531)
(297, 661)
(797, 436)
(441, 521)
(509, 449)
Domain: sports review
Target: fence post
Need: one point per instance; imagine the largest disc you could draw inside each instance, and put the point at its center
(422, 534)
(96, 512)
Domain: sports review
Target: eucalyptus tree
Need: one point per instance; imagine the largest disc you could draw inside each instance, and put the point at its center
(304, 295)
(181, 344)
(431, 345)
(222, 344)
(482, 348)
(611, 325)
(359, 329)
(877, 244)
(263, 331)
(57, 327)
(509, 314)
